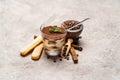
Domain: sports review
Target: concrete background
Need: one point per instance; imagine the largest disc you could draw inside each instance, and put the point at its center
(100, 59)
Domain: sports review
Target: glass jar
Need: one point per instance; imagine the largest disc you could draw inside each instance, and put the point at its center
(53, 42)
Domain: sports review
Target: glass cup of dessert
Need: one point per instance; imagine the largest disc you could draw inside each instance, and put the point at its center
(54, 39)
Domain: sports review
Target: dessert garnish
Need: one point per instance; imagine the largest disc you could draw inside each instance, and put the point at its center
(54, 29)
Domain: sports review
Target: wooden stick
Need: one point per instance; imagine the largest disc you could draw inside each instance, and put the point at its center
(37, 52)
(74, 55)
(31, 46)
(69, 45)
(66, 48)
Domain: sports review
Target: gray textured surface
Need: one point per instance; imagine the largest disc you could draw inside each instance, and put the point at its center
(100, 59)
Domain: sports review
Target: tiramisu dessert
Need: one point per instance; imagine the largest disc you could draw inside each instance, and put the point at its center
(54, 39)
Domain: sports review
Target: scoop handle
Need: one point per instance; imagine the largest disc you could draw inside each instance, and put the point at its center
(78, 24)
(70, 41)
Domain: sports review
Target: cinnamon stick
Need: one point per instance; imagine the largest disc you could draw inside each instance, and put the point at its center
(77, 47)
(74, 55)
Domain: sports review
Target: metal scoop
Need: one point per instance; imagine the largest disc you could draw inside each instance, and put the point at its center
(70, 29)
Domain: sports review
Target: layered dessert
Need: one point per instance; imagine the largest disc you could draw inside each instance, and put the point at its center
(54, 39)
